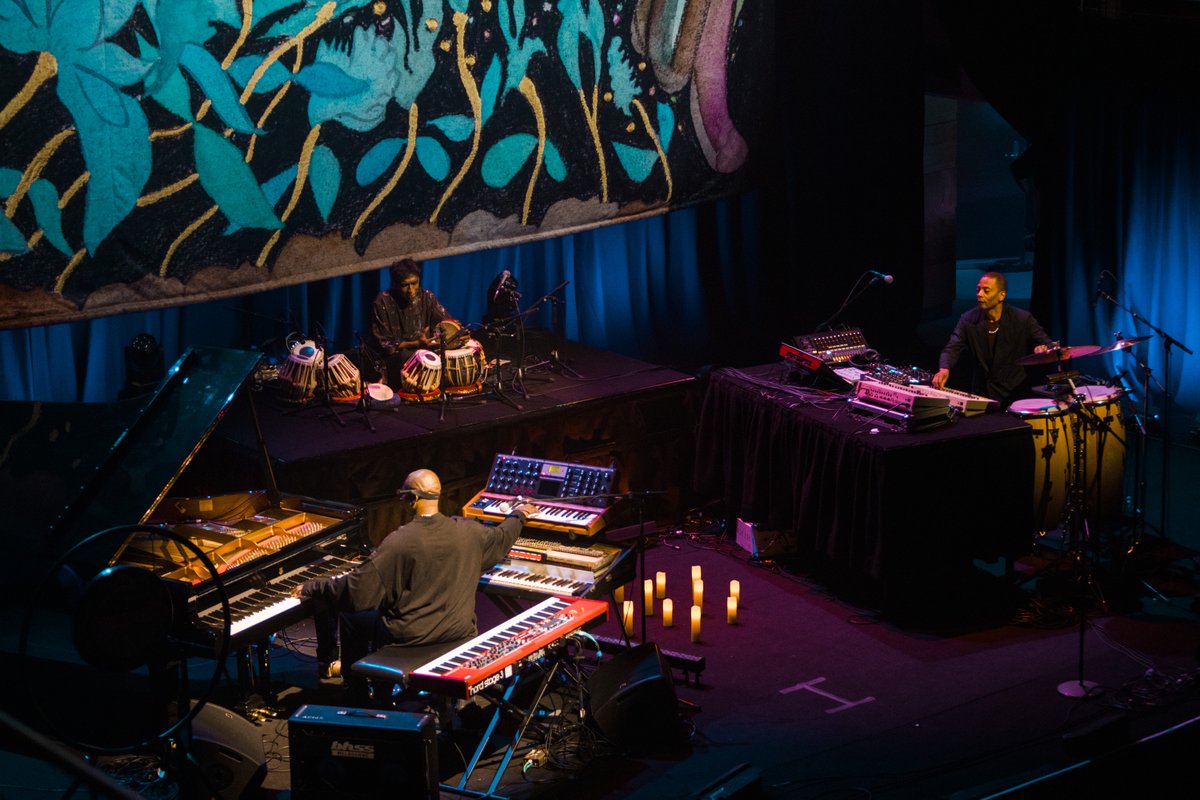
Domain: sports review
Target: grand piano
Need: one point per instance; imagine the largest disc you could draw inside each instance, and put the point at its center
(112, 469)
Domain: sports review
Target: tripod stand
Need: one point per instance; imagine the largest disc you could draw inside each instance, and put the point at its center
(494, 380)
(554, 361)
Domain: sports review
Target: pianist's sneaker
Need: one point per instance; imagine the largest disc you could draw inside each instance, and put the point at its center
(329, 671)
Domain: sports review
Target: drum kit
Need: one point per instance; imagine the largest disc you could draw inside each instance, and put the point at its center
(1079, 434)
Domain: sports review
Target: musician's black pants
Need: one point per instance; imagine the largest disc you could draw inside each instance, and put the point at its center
(360, 633)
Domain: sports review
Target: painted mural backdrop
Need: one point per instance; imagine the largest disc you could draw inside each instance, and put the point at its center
(159, 152)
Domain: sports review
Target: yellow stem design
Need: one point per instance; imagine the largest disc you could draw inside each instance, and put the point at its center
(468, 82)
(36, 165)
(167, 191)
(529, 92)
(275, 101)
(310, 142)
(74, 189)
(409, 148)
(247, 18)
(657, 146)
(170, 133)
(590, 114)
(45, 68)
(66, 273)
(188, 231)
(297, 41)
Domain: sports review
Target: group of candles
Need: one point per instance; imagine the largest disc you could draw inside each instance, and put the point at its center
(657, 589)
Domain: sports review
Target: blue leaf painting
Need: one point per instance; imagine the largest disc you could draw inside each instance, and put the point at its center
(115, 139)
(506, 157)
(228, 180)
(44, 197)
(214, 82)
(325, 178)
(242, 70)
(489, 89)
(272, 189)
(377, 160)
(433, 157)
(556, 168)
(457, 127)
(329, 80)
(666, 125)
(637, 161)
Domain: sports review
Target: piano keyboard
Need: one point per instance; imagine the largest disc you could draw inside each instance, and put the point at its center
(539, 578)
(496, 654)
(550, 514)
(267, 609)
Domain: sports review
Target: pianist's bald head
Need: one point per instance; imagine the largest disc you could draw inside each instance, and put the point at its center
(425, 487)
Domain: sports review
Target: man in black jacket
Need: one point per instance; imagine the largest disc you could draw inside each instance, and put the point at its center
(996, 335)
(417, 588)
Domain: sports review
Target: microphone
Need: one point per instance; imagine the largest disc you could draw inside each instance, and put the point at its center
(880, 276)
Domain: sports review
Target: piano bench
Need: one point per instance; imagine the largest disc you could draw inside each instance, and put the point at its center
(390, 665)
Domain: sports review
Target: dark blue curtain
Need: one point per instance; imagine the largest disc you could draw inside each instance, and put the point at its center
(641, 288)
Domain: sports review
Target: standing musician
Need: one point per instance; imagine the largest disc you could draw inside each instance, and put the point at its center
(405, 318)
(996, 336)
(417, 588)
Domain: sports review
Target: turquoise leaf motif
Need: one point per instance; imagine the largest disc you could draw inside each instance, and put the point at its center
(433, 158)
(376, 161)
(230, 183)
(44, 197)
(505, 158)
(636, 161)
(456, 127)
(325, 178)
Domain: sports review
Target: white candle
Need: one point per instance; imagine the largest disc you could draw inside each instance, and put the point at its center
(627, 617)
(735, 590)
(660, 585)
(695, 623)
(731, 610)
(648, 597)
(697, 592)
(668, 613)
(696, 573)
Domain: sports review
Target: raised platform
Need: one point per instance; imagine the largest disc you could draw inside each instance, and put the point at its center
(619, 411)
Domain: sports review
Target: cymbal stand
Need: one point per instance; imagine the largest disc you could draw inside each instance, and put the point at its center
(1169, 341)
(493, 380)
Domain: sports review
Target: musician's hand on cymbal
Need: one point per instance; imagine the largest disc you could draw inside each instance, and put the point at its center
(1041, 348)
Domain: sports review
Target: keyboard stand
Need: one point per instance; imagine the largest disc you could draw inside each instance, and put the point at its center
(502, 702)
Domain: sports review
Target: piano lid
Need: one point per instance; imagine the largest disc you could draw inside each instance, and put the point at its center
(139, 468)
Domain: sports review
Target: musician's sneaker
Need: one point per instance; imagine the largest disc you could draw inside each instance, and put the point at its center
(329, 671)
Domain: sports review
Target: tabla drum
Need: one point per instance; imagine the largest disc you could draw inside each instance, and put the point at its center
(1053, 445)
(298, 378)
(421, 376)
(1104, 450)
(343, 379)
(464, 368)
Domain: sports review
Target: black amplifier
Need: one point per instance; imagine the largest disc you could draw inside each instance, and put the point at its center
(360, 752)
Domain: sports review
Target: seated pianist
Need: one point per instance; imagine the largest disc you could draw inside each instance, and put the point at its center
(405, 318)
(417, 588)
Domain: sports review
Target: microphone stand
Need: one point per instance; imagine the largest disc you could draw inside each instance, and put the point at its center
(493, 379)
(855, 292)
(362, 405)
(1169, 341)
(555, 322)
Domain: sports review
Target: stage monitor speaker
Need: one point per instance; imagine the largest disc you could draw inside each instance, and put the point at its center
(229, 749)
(633, 702)
(358, 752)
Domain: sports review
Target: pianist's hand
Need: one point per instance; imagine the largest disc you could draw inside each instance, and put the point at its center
(524, 509)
